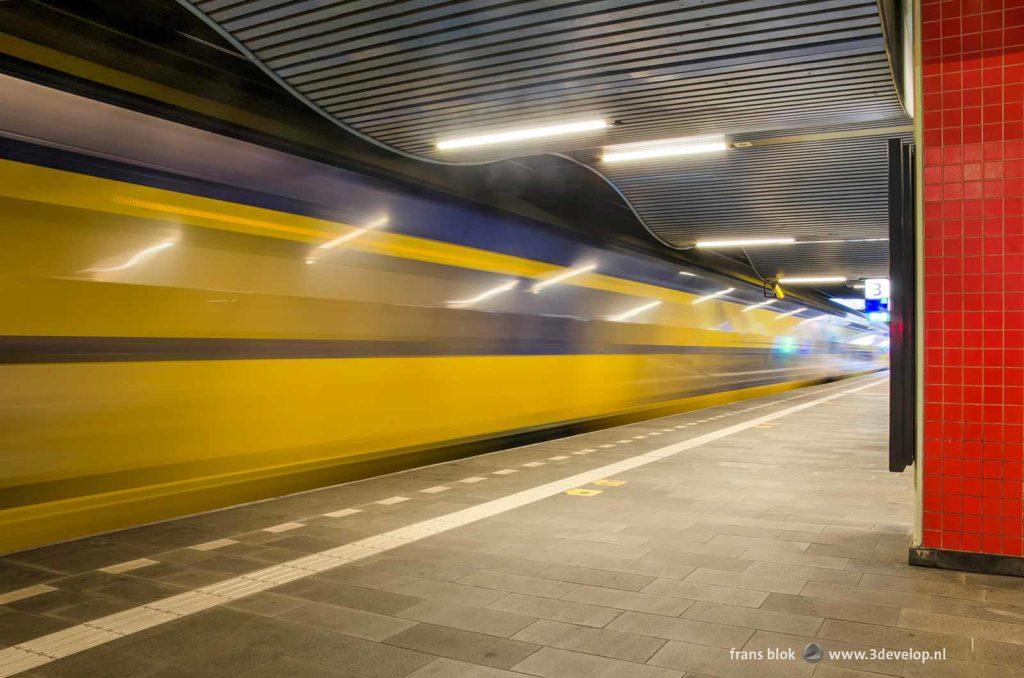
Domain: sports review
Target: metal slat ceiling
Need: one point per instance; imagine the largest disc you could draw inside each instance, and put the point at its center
(407, 74)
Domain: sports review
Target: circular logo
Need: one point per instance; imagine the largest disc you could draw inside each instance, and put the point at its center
(812, 653)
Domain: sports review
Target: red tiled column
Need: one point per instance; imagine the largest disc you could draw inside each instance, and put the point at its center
(973, 151)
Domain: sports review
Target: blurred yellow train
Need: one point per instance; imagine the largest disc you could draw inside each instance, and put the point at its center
(166, 350)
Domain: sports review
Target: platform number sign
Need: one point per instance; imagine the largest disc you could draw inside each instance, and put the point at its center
(876, 288)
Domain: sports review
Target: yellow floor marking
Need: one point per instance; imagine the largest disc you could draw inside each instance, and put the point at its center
(579, 492)
(609, 483)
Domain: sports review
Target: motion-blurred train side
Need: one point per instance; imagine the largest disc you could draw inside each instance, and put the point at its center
(178, 336)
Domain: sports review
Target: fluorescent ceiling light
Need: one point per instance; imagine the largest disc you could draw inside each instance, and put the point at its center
(806, 280)
(856, 303)
(701, 300)
(523, 134)
(748, 242)
(564, 275)
(636, 311)
(136, 258)
(761, 305)
(789, 313)
(664, 148)
(351, 235)
(486, 295)
(688, 274)
(818, 242)
(811, 320)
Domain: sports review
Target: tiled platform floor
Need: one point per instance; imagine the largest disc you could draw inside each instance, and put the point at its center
(775, 536)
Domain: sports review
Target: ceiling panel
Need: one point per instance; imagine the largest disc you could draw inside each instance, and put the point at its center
(408, 74)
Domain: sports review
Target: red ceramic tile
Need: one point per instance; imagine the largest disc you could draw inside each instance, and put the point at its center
(973, 118)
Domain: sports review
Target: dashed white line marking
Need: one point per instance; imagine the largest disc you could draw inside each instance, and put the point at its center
(588, 449)
(505, 471)
(624, 441)
(605, 447)
(533, 464)
(212, 545)
(580, 452)
(640, 437)
(128, 566)
(22, 594)
(435, 489)
(341, 513)
(560, 457)
(391, 500)
(283, 527)
(36, 652)
(473, 479)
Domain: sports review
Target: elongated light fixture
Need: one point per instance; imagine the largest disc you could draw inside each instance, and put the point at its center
(494, 291)
(743, 242)
(663, 148)
(811, 320)
(632, 312)
(351, 235)
(563, 276)
(706, 297)
(688, 274)
(789, 313)
(808, 280)
(761, 305)
(136, 258)
(522, 134)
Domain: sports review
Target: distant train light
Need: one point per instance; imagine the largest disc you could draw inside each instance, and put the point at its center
(135, 259)
(713, 295)
(486, 295)
(522, 134)
(747, 242)
(664, 148)
(789, 313)
(632, 312)
(810, 280)
(761, 305)
(563, 276)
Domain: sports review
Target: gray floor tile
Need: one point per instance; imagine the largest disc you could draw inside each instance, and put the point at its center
(467, 646)
(555, 663)
(557, 610)
(686, 630)
(467, 618)
(629, 600)
(442, 667)
(515, 583)
(445, 591)
(358, 623)
(603, 642)
(607, 579)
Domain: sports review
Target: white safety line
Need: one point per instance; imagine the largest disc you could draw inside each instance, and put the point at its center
(118, 568)
(283, 527)
(216, 544)
(342, 513)
(36, 652)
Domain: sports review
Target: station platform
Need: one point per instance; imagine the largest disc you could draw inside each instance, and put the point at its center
(679, 546)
